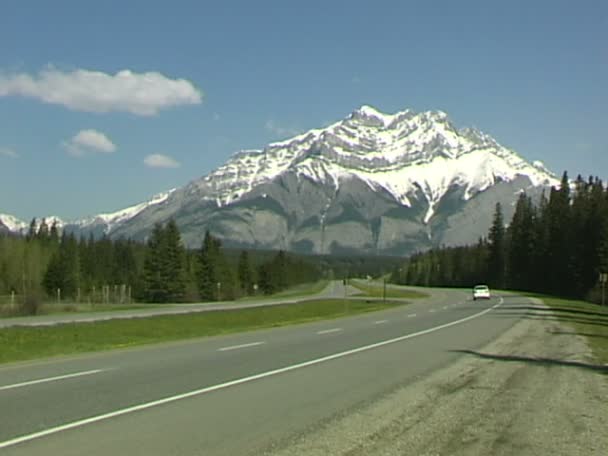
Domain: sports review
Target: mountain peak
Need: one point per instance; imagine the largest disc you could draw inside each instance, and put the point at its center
(388, 179)
(370, 116)
(368, 110)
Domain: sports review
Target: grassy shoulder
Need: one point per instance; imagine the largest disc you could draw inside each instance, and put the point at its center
(23, 343)
(587, 320)
(54, 308)
(377, 291)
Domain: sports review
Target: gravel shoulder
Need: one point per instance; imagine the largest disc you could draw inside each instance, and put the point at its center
(536, 390)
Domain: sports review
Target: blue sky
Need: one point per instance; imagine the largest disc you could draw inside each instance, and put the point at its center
(103, 104)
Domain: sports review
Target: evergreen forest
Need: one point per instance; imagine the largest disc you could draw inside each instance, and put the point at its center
(557, 245)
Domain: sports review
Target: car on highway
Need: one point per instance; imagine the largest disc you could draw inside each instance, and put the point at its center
(481, 292)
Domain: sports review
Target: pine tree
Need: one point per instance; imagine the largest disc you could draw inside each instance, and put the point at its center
(174, 254)
(32, 232)
(520, 235)
(154, 286)
(244, 273)
(54, 233)
(43, 231)
(559, 243)
(496, 249)
(208, 267)
(63, 270)
(265, 282)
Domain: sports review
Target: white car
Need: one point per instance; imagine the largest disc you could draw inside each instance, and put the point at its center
(481, 292)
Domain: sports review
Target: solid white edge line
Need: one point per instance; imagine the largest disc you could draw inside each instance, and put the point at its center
(236, 347)
(328, 331)
(239, 381)
(49, 379)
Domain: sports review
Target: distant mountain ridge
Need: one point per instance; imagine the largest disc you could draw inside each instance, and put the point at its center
(99, 224)
(370, 183)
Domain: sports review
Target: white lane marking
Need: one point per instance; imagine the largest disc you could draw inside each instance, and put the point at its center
(50, 379)
(445, 307)
(380, 322)
(329, 331)
(236, 347)
(411, 315)
(432, 310)
(239, 381)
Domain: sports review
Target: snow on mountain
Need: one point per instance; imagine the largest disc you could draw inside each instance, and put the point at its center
(112, 219)
(108, 221)
(400, 153)
(372, 182)
(12, 223)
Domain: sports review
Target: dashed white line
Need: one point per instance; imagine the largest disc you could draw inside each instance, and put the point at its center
(411, 315)
(329, 331)
(50, 379)
(445, 307)
(432, 310)
(239, 381)
(236, 347)
(380, 322)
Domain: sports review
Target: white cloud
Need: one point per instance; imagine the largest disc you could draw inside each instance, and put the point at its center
(161, 161)
(6, 152)
(89, 141)
(143, 94)
(279, 130)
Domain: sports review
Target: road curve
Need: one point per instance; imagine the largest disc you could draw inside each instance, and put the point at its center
(237, 394)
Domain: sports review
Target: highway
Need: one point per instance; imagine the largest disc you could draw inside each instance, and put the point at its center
(238, 394)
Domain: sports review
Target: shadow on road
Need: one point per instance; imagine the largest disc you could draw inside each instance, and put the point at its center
(547, 362)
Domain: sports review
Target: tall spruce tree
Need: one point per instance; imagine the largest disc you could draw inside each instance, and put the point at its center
(174, 255)
(559, 243)
(245, 274)
(496, 249)
(32, 231)
(63, 270)
(521, 239)
(43, 231)
(208, 267)
(154, 267)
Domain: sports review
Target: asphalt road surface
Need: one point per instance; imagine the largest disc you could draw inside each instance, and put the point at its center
(239, 394)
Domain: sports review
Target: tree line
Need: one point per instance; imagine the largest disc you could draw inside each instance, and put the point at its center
(557, 245)
(54, 265)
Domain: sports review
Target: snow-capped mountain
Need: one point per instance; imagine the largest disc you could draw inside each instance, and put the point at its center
(101, 224)
(11, 224)
(372, 182)
(108, 221)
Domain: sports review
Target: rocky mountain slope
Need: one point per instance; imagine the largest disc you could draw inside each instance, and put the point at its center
(371, 183)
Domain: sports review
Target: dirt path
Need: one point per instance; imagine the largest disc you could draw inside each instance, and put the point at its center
(531, 392)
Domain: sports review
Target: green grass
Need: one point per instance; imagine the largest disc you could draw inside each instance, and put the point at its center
(53, 308)
(588, 320)
(377, 291)
(23, 343)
